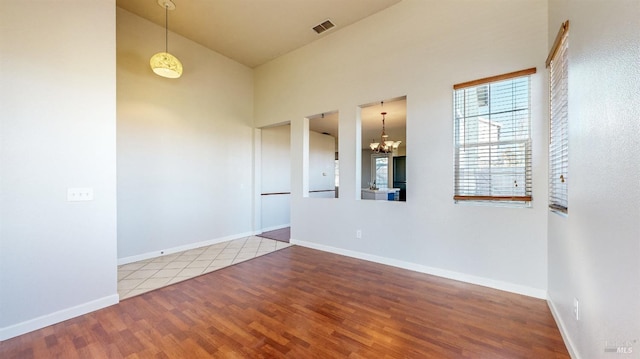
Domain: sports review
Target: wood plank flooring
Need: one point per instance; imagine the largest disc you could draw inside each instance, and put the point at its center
(282, 234)
(302, 303)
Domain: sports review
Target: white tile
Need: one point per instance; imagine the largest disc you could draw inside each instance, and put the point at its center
(153, 283)
(194, 252)
(132, 266)
(212, 255)
(154, 265)
(238, 243)
(231, 250)
(199, 264)
(187, 257)
(190, 272)
(167, 258)
(221, 262)
(207, 256)
(126, 284)
(226, 255)
(167, 273)
(245, 256)
(140, 277)
(142, 274)
(217, 246)
(122, 274)
(177, 264)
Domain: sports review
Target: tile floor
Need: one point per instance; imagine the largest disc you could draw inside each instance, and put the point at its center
(144, 276)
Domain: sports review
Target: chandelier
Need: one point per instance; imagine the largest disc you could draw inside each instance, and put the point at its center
(163, 63)
(385, 145)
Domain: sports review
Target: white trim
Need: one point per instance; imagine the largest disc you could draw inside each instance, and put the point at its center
(563, 331)
(485, 282)
(57, 317)
(273, 228)
(186, 247)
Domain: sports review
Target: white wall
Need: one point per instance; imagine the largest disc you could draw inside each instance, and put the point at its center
(57, 130)
(594, 251)
(418, 48)
(185, 146)
(275, 177)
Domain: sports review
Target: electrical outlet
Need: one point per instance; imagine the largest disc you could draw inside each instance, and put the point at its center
(79, 194)
(359, 234)
(576, 308)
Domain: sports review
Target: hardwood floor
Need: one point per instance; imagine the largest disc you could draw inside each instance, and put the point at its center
(302, 303)
(282, 234)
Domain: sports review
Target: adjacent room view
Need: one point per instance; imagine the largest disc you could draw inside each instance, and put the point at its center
(319, 179)
(324, 163)
(384, 150)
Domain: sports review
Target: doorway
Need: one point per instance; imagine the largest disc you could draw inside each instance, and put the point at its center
(274, 182)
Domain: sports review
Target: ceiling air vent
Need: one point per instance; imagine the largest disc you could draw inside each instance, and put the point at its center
(326, 25)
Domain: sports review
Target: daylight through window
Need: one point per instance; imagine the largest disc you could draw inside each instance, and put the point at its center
(492, 123)
(559, 134)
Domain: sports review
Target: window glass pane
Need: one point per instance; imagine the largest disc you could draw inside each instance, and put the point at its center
(492, 141)
(382, 172)
(559, 135)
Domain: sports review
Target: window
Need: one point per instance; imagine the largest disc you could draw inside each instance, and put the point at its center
(557, 63)
(492, 139)
(380, 173)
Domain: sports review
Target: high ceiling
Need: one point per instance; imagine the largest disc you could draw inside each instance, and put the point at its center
(254, 32)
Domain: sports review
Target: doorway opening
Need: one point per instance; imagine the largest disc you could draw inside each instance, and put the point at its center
(274, 182)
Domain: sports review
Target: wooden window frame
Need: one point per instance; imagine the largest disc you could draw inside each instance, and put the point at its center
(483, 81)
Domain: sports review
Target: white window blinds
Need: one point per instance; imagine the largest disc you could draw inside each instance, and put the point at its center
(492, 138)
(559, 134)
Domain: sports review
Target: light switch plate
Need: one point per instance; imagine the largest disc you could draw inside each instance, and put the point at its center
(79, 194)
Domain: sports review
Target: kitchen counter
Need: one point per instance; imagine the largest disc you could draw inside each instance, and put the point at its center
(381, 194)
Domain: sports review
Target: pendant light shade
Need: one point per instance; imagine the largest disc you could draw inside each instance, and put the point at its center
(166, 65)
(163, 63)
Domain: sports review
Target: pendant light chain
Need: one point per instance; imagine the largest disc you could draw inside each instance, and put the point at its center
(166, 28)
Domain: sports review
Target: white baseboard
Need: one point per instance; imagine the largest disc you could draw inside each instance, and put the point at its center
(56, 317)
(186, 247)
(485, 282)
(563, 331)
(273, 228)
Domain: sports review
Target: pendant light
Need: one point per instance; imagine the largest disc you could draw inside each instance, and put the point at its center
(163, 63)
(385, 145)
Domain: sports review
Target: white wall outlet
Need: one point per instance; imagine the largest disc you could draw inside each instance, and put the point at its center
(79, 194)
(359, 234)
(576, 308)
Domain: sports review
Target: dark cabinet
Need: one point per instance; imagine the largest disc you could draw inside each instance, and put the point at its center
(400, 175)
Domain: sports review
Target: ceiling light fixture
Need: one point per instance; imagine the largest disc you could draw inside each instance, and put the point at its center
(385, 145)
(163, 63)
